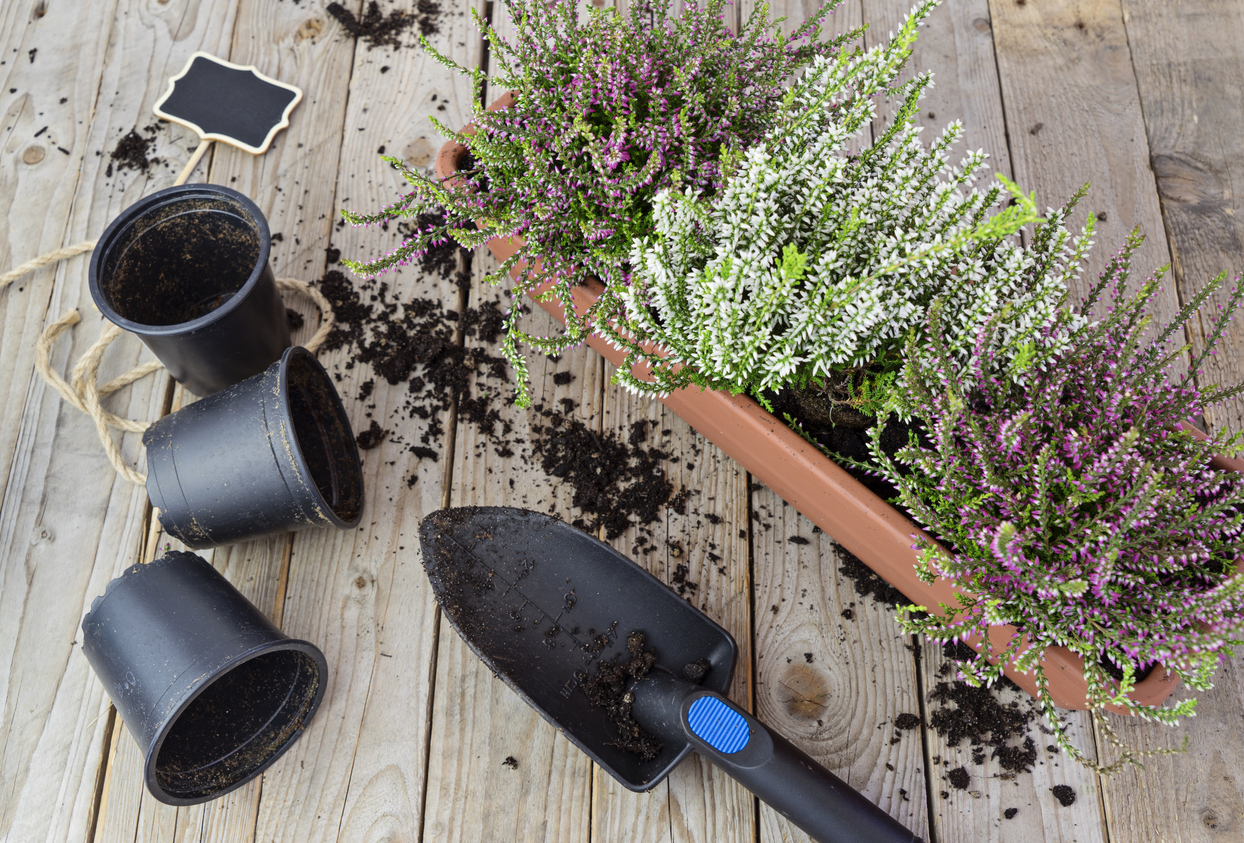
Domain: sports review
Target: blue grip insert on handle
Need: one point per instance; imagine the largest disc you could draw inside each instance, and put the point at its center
(717, 724)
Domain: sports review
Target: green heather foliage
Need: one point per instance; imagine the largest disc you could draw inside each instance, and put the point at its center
(1071, 506)
(814, 259)
(608, 111)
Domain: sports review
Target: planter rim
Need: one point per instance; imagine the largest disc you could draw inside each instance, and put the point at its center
(130, 214)
(712, 413)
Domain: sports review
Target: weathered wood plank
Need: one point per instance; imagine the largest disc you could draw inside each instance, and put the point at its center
(978, 812)
(60, 485)
(703, 550)
(825, 695)
(359, 771)
(1188, 61)
(956, 43)
(477, 721)
(1073, 116)
(831, 684)
(50, 68)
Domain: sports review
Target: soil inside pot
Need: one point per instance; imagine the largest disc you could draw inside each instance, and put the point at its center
(846, 432)
(183, 265)
(237, 724)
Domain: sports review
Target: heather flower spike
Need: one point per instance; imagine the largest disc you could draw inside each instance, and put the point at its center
(814, 259)
(1072, 507)
(609, 110)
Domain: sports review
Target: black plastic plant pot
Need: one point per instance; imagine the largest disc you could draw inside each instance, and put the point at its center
(187, 270)
(270, 454)
(212, 691)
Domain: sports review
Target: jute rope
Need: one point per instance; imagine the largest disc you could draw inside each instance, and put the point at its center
(46, 260)
(84, 392)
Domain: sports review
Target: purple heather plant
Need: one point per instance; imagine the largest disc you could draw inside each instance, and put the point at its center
(1074, 508)
(608, 111)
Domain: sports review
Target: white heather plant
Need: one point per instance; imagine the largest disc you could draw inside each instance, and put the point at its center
(814, 260)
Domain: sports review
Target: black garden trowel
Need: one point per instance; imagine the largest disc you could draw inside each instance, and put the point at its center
(550, 610)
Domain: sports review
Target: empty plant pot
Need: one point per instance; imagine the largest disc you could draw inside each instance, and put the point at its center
(267, 455)
(212, 691)
(187, 270)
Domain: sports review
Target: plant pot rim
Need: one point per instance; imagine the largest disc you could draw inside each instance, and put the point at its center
(822, 491)
(130, 214)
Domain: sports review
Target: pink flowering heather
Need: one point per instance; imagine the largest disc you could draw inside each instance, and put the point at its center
(608, 111)
(1072, 507)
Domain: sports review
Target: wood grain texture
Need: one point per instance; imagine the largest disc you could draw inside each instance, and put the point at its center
(50, 69)
(833, 685)
(829, 684)
(288, 184)
(1188, 60)
(477, 720)
(1073, 116)
(358, 772)
(67, 522)
(701, 548)
(956, 44)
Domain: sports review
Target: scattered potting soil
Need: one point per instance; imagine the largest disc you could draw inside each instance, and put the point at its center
(868, 584)
(607, 689)
(1064, 794)
(959, 778)
(511, 762)
(906, 721)
(1010, 813)
(381, 30)
(616, 484)
(979, 716)
(131, 152)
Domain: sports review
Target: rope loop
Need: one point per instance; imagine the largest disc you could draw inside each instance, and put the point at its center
(84, 392)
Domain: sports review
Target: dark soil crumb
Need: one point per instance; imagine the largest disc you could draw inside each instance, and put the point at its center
(371, 437)
(807, 657)
(131, 152)
(562, 378)
(511, 762)
(1064, 794)
(680, 582)
(868, 584)
(979, 716)
(608, 690)
(696, 671)
(798, 540)
(378, 29)
(294, 318)
(959, 778)
(848, 614)
(906, 721)
(1010, 813)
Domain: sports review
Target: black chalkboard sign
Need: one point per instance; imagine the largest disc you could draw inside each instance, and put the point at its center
(228, 102)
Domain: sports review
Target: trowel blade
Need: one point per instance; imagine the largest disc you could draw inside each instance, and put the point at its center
(541, 602)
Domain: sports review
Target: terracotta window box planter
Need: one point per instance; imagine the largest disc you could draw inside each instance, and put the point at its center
(826, 494)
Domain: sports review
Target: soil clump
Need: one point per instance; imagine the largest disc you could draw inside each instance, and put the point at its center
(380, 30)
(607, 689)
(132, 151)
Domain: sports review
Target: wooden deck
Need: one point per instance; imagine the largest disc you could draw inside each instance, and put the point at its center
(1143, 99)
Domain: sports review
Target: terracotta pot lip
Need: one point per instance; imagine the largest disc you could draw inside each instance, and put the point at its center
(1152, 690)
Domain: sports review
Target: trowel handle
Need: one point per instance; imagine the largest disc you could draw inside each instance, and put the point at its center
(764, 762)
